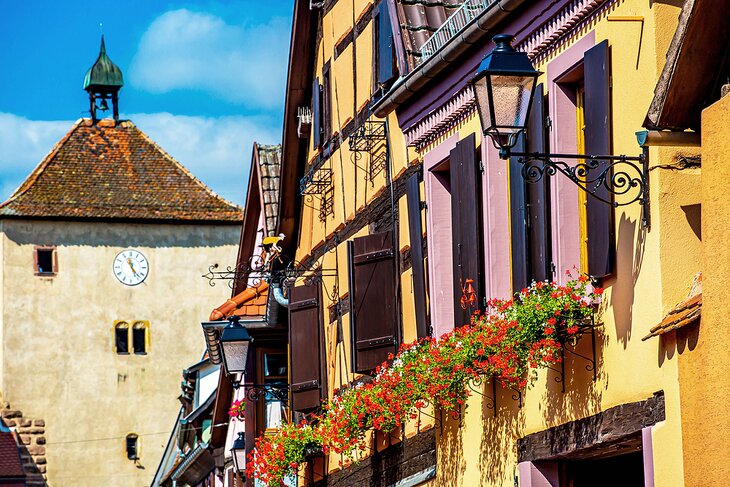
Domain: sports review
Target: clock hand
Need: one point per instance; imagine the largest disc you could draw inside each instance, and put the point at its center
(131, 266)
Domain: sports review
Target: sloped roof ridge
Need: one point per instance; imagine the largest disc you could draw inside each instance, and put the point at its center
(180, 166)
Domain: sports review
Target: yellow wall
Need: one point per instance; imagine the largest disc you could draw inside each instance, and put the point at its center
(703, 369)
(58, 359)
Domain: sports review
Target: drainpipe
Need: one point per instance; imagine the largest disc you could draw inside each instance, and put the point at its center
(279, 295)
(447, 55)
(668, 138)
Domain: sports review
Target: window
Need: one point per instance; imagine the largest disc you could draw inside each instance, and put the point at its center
(45, 262)
(132, 446)
(136, 335)
(326, 104)
(272, 373)
(385, 68)
(139, 337)
(121, 337)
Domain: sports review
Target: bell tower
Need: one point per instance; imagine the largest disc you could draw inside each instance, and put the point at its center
(103, 81)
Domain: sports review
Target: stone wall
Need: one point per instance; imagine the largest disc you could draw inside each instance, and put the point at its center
(31, 435)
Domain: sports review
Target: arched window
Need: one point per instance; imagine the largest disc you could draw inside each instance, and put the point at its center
(121, 337)
(140, 337)
(132, 446)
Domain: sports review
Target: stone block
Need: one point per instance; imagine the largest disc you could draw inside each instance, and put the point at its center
(25, 423)
(37, 450)
(42, 468)
(39, 422)
(25, 439)
(34, 430)
(40, 460)
(10, 423)
(40, 440)
(11, 413)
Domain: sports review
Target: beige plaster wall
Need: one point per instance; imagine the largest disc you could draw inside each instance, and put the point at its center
(58, 355)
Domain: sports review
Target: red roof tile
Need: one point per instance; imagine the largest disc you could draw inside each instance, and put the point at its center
(685, 313)
(115, 172)
(10, 466)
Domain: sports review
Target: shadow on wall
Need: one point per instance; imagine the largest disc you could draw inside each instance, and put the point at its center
(452, 463)
(501, 428)
(629, 259)
(99, 234)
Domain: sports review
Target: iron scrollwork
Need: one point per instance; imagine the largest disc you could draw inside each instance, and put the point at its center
(273, 392)
(624, 178)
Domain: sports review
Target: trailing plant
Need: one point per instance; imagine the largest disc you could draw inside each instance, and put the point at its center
(237, 410)
(511, 337)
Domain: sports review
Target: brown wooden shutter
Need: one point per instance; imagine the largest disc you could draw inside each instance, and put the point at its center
(386, 68)
(306, 347)
(316, 114)
(518, 220)
(372, 300)
(601, 242)
(413, 198)
(326, 104)
(466, 221)
(538, 198)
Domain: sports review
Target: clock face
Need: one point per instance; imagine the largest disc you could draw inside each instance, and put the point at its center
(131, 267)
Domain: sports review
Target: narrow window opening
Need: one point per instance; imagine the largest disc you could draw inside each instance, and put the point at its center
(121, 338)
(44, 261)
(139, 338)
(132, 446)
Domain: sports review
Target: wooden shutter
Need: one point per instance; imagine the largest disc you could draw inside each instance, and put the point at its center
(326, 104)
(466, 221)
(538, 198)
(386, 60)
(601, 242)
(518, 220)
(413, 198)
(372, 300)
(316, 114)
(306, 346)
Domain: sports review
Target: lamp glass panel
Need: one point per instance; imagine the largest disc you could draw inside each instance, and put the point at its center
(239, 458)
(234, 354)
(482, 98)
(511, 98)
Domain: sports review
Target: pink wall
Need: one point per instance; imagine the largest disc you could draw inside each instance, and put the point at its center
(439, 241)
(542, 474)
(564, 193)
(495, 184)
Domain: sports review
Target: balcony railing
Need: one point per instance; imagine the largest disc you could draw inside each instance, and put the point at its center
(469, 10)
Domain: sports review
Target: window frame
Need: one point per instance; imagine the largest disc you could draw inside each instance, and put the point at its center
(145, 326)
(118, 326)
(36, 260)
(136, 446)
(261, 381)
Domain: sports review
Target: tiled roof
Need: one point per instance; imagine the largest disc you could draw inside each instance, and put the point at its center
(685, 313)
(10, 466)
(269, 158)
(114, 171)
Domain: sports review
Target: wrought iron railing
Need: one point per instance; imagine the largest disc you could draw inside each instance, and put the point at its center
(469, 10)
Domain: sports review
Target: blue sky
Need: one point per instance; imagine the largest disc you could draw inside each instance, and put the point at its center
(203, 79)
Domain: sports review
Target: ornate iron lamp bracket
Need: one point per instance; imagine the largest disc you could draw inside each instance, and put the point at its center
(615, 180)
(276, 392)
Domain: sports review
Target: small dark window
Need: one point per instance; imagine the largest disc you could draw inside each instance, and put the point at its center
(139, 338)
(121, 338)
(132, 447)
(44, 260)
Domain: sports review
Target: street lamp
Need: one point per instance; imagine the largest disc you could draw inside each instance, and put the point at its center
(238, 452)
(235, 342)
(503, 87)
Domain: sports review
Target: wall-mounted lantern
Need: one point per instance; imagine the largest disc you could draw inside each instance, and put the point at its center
(235, 342)
(238, 452)
(503, 86)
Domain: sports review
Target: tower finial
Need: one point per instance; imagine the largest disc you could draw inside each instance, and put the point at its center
(103, 81)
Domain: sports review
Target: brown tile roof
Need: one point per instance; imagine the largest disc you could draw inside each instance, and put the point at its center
(115, 172)
(685, 313)
(250, 302)
(269, 159)
(10, 465)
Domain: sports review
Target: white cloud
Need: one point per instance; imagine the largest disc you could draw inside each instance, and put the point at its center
(216, 150)
(243, 64)
(23, 144)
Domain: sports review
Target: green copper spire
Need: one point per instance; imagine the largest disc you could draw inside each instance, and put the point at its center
(104, 75)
